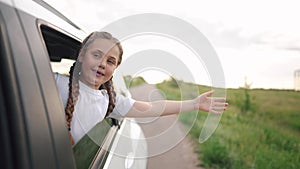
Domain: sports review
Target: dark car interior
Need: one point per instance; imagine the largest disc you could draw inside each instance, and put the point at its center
(59, 45)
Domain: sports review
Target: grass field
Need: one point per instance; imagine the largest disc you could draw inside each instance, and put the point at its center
(260, 129)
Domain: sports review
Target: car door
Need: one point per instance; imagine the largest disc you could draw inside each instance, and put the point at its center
(27, 119)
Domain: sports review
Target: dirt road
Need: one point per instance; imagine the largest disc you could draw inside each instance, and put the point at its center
(168, 145)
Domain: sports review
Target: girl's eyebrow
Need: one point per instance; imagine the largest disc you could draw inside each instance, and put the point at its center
(98, 50)
(112, 57)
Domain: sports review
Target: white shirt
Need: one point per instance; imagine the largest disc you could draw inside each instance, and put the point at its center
(91, 106)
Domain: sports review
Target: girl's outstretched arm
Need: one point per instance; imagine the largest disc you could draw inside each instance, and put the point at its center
(204, 102)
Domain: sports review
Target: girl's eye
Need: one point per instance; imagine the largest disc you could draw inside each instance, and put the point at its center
(97, 55)
(111, 61)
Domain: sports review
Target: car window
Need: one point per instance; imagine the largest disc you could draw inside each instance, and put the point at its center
(62, 50)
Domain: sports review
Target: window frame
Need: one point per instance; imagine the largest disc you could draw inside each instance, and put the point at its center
(54, 39)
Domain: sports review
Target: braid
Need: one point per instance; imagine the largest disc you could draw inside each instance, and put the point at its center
(73, 96)
(109, 87)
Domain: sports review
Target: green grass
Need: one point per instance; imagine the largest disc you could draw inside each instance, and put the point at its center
(266, 136)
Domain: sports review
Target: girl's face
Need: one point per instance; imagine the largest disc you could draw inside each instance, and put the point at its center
(98, 62)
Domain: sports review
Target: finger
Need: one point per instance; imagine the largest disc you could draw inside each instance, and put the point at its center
(219, 108)
(220, 104)
(218, 99)
(209, 93)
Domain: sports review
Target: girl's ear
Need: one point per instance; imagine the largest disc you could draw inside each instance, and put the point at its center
(80, 57)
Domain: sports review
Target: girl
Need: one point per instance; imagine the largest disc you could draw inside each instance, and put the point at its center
(91, 95)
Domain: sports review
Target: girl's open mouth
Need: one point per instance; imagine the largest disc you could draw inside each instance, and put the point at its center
(99, 74)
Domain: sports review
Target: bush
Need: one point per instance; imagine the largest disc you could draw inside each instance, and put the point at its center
(216, 155)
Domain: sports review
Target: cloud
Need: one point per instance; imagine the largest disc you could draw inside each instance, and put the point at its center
(259, 39)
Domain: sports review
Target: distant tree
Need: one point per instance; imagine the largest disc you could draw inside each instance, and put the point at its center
(173, 82)
(246, 106)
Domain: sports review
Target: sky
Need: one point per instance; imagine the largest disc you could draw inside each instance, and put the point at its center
(257, 40)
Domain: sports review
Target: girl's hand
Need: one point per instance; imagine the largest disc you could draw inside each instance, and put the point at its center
(206, 103)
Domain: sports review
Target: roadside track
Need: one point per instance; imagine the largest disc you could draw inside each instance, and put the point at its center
(161, 132)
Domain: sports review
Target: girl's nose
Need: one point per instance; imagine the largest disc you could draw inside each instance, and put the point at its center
(102, 63)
